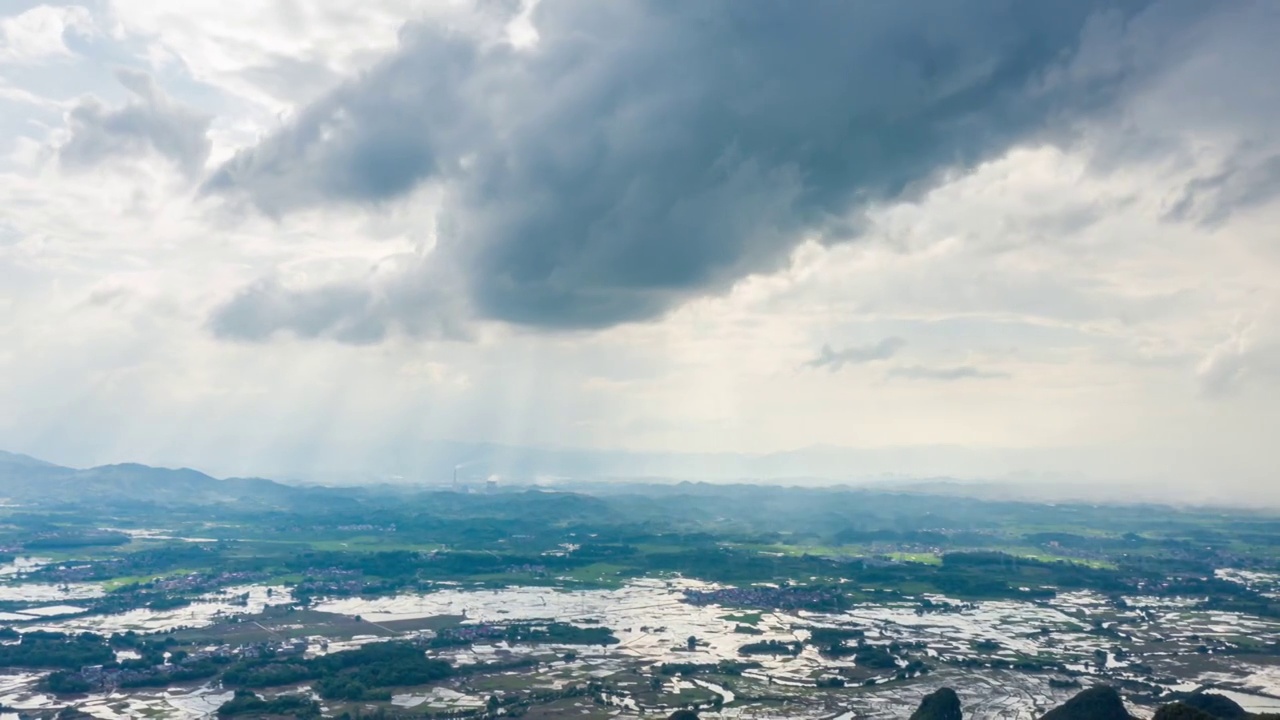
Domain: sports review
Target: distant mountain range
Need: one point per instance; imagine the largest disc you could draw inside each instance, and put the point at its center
(25, 479)
(436, 464)
(934, 469)
(432, 462)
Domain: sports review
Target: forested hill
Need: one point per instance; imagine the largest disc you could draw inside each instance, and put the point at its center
(27, 480)
(1103, 703)
(1097, 703)
(33, 483)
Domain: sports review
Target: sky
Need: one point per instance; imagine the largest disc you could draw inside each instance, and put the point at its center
(311, 235)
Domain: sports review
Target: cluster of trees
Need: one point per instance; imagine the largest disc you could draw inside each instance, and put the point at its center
(71, 653)
(724, 667)
(834, 641)
(68, 539)
(144, 563)
(176, 674)
(64, 682)
(247, 702)
(875, 657)
(771, 647)
(827, 635)
(267, 672)
(359, 674)
(560, 633)
(43, 649)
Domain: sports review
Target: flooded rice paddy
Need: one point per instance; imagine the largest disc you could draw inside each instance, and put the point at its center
(971, 648)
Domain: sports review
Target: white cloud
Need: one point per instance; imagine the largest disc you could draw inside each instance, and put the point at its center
(39, 34)
(279, 54)
(1248, 355)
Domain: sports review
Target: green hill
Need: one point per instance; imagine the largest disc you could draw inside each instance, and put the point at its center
(942, 704)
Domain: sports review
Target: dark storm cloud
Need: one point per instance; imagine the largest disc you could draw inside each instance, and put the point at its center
(1248, 182)
(149, 122)
(647, 152)
(961, 372)
(357, 312)
(833, 360)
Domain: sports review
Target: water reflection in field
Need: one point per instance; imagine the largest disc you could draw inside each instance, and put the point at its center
(1139, 638)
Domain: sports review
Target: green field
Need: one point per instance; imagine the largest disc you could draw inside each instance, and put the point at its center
(910, 557)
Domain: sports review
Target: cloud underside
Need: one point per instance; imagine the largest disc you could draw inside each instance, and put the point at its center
(353, 313)
(959, 372)
(834, 360)
(645, 153)
(149, 122)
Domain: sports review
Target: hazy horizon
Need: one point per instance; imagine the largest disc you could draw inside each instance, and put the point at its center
(475, 467)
